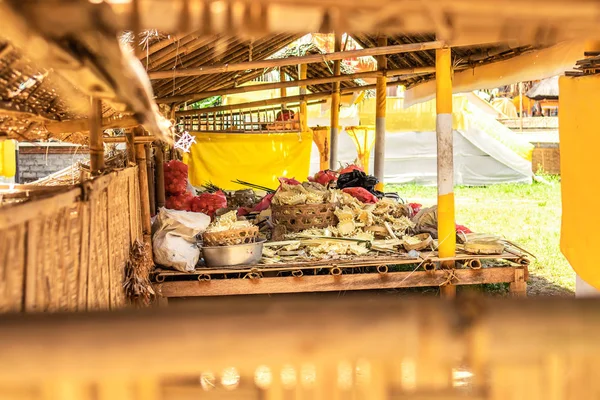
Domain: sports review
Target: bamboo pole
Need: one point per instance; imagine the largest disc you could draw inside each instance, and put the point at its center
(124, 139)
(303, 69)
(283, 92)
(143, 178)
(381, 102)
(445, 163)
(130, 140)
(96, 144)
(150, 173)
(308, 59)
(335, 107)
(301, 82)
(159, 159)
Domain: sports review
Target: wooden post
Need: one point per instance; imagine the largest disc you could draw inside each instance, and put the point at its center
(335, 107)
(129, 136)
(521, 107)
(150, 173)
(303, 69)
(143, 178)
(283, 90)
(96, 144)
(380, 117)
(518, 288)
(159, 159)
(445, 163)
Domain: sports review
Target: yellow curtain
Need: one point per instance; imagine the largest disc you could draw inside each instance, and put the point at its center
(579, 144)
(220, 158)
(364, 139)
(8, 159)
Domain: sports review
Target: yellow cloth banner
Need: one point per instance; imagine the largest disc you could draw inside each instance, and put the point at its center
(220, 158)
(579, 142)
(8, 159)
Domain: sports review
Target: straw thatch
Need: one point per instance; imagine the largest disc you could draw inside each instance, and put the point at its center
(546, 89)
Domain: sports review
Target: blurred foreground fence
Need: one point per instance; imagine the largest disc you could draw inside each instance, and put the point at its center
(313, 348)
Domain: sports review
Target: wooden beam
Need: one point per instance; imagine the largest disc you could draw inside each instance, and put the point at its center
(140, 154)
(123, 139)
(82, 125)
(259, 103)
(8, 109)
(313, 58)
(301, 82)
(328, 283)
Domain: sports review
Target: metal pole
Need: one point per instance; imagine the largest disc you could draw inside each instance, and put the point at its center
(335, 107)
(303, 107)
(380, 117)
(445, 163)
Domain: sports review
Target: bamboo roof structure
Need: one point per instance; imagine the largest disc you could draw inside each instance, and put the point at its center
(546, 89)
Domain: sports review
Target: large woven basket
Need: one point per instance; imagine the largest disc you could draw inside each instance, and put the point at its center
(304, 216)
(231, 237)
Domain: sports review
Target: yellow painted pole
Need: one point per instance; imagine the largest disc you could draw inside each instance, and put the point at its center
(335, 108)
(445, 162)
(303, 108)
(381, 100)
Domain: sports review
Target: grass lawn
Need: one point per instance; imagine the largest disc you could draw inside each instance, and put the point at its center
(526, 214)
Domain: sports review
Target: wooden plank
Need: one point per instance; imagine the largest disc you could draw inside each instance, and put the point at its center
(84, 256)
(327, 283)
(282, 62)
(31, 272)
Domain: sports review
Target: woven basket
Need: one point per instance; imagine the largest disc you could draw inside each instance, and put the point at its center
(305, 216)
(231, 237)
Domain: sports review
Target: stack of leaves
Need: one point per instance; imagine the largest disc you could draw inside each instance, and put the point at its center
(137, 275)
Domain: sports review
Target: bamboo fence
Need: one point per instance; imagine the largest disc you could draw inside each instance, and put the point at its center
(67, 250)
(307, 348)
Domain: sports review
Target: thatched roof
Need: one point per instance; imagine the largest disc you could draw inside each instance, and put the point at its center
(50, 65)
(546, 89)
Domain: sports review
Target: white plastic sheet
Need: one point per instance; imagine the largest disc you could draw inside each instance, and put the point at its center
(174, 240)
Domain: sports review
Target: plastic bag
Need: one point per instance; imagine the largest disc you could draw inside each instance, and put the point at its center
(358, 178)
(174, 241)
(324, 177)
(176, 177)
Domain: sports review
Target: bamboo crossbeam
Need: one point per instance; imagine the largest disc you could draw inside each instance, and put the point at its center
(82, 125)
(281, 62)
(296, 83)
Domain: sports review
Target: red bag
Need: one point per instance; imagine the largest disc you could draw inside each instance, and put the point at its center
(182, 202)
(209, 203)
(361, 194)
(176, 177)
(416, 207)
(462, 229)
(351, 168)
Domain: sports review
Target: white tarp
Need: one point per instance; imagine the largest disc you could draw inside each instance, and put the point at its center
(411, 157)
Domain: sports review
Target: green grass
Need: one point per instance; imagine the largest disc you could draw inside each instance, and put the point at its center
(526, 214)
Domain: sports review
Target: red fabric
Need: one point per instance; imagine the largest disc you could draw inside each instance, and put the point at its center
(324, 177)
(289, 181)
(264, 203)
(285, 115)
(361, 194)
(462, 229)
(416, 207)
(351, 168)
(182, 202)
(209, 203)
(176, 176)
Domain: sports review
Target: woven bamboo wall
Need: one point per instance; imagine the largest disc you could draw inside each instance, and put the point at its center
(67, 251)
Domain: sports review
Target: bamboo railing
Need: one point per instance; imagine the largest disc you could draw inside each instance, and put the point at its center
(307, 348)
